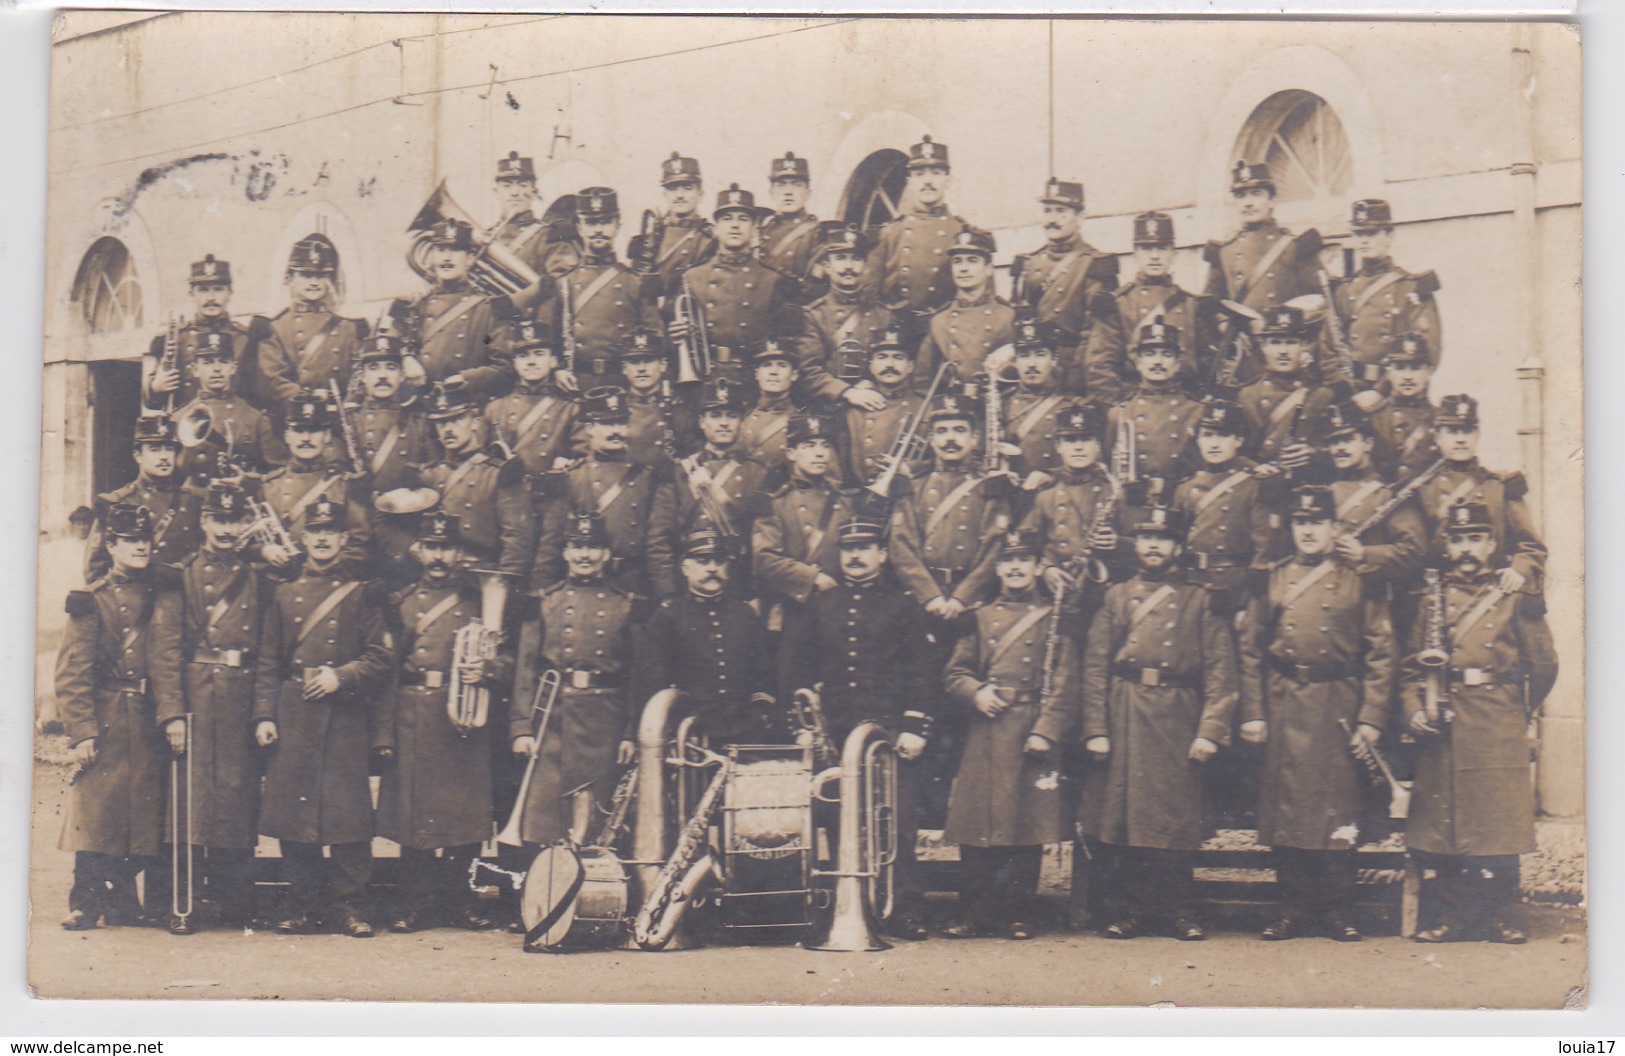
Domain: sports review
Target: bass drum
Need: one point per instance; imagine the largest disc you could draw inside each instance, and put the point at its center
(575, 899)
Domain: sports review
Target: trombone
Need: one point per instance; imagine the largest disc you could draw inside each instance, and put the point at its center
(909, 444)
(547, 694)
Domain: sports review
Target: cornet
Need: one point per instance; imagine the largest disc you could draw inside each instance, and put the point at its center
(693, 351)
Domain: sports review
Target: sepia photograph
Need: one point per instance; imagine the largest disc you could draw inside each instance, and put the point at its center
(699, 509)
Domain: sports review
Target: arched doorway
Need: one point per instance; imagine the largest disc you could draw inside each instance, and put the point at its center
(107, 288)
(1300, 137)
(874, 194)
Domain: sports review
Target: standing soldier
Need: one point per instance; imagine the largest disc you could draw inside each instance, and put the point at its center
(1405, 423)
(291, 491)
(1152, 296)
(1227, 508)
(1263, 263)
(1031, 409)
(1067, 284)
(165, 381)
(976, 320)
(324, 662)
(762, 433)
(787, 238)
(213, 634)
(314, 345)
(1280, 405)
(662, 427)
(634, 503)
(1159, 691)
(1472, 808)
(686, 238)
(861, 649)
(173, 501)
(537, 420)
(237, 428)
(519, 230)
(793, 542)
(108, 678)
(909, 265)
(839, 323)
(1392, 548)
(584, 632)
(742, 301)
(393, 437)
(708, 641)
(1380, 302)
(870, 434)
(1317, 655)
(436, 792)
(1075, 516)
(1020, 677)
(600, 301)
(1159, 414)
(457, 331)
(719, 469)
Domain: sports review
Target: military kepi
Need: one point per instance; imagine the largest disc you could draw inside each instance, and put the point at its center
(928, 153)
(1063, 192)
(805, 427)
(314, 253)
(1153, 229)
(448, 399)
(1312, 502)
(514, 167)
(128, 520)
(860, 531)
(1160, 520)
(597, 203)
(209, 271)
(706, 542)
(1247, 176)
(1223, 416)
(1084, 422)
(1371, 214)
(1468, 517)
(156, 429)
(443, 528)
(225, 501)
(1020, 544)
(734, 200)
(325, 513)
(789, 167)
(1460, 411)
(587, 528)
(678, 169)
(606, 403)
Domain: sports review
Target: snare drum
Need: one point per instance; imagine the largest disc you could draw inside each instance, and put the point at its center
(575, 899)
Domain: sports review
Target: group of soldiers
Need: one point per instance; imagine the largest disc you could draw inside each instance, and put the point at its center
(1072, 549)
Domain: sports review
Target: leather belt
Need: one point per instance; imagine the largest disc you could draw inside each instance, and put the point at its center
(223, 657)
(426, 679)
(138, 686)
(944, 576)
(1479, 676)
(1023, 696)
(1202, 562)
(1153, 676)
(577, 678)
(1316, 672)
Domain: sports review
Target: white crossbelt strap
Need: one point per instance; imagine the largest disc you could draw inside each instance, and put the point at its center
(607, 499)
(380, 457)
(1481, 608)
(1455, 495)
(455, 312)
(940, 514)
(679, 244)
(315, 492)
(1013, 635)
(1149, 603)
(1037, 413)
(1301, 587)
(1350, 503)
(329, 603)
(1288, 405)
(427, 618)
(594, 287)
(1387, 280)
(1265, 263)
(804, 226)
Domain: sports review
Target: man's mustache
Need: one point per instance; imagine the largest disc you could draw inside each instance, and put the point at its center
(952, 447)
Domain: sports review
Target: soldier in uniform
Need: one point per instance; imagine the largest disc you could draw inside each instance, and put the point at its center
(604, 299)
(909, 264)
(1067, 285)
(838, 324)
(166, 384)
(314, 346)
(1152, 296)
(458, 332)
(742, 301)
(709, 641)
(861, 648)
(236, 427)
(787, 238)
(1317, 655)
(720, 468)
(1032, 406)
(686, 238)
(1262, 264)
(325, 660)
(1075, 516)
(762, 433)
(870, 434)
(436, 792)
(1160, 687)
(1380, 302)
(1159, 413)
(1404, 423)
(174, 501)
(1280, 405)
(537, 420)
(635, 503)
(524, 235)
(394, 438)
(292, 490)
(108, 679)
(1227, 508)
(583, 631)
(212, 637)
(662, 426)
(1472, 808)
(1391, 549)
(1016, 677)
(975, 321)
(946, 524)
(793, 542)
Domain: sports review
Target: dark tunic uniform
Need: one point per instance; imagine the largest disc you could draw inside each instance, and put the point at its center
(716, 650)
(735, 480)
(108, 678)
(290, 491)
(744, 302)
(1029, 423)
(238, 426)
(639, 510)
(249, 343)
(761, 433)
(662, 428)
(1394, 547)
(538, 423)
(314, 348)
(1263, 265)
(1068, 283)
(607, 302)
(1277, 414)
(176, 507)
(909, 265)
(787, 242)
(831, 320)
(945, 528)
(963, 332)
(1503, 494)
(870, 434)
(585, 633)
(1379, 303)
(1064, 514)
(459, 331)
(1406, 445)
(1232, 524)
(489, 495)
(394, 440)
(685, 242)
(1164, 419)
(1108, 373)
(794, 538)
(528, 238)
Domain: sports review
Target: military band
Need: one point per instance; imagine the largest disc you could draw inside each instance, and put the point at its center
(1084, 556)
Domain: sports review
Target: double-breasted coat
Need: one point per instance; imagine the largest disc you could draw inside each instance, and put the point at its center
(829, 322)
(314, 348)
(908, 267)
(461, 331)
(177, 507)
(1263, 265)
(945, 528)
(1379, 302)
(1164, 426)
(1068, 285)
(539, 424)
(963, 332)
(794, 537)
(638, 505)
(718, 652)
(607, 302)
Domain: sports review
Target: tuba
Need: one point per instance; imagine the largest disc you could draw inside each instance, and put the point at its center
(867, 842)
(468, 706)
(497, 270)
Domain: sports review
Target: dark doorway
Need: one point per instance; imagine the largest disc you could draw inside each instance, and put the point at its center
(115, 402)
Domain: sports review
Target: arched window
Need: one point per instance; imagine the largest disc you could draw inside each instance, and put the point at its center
(874, 194)
(107, 288)
(1298, 135)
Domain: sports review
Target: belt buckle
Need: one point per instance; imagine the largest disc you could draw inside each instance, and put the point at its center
(1150, 676)
(723, 354)
(234, 657)
(1303, 672)
(1474, 676)
(434, 679)
(580, 679)
(1201, 562)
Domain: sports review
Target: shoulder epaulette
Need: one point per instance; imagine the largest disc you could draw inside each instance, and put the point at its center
(1427, 284)
(81, 602)
(1103, 269)
(1515, 484)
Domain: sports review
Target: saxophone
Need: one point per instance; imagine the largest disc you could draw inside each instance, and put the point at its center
(691, 862)
(1434, 656)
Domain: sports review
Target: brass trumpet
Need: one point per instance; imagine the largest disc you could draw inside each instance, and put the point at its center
(266, 529)
(693, 351)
